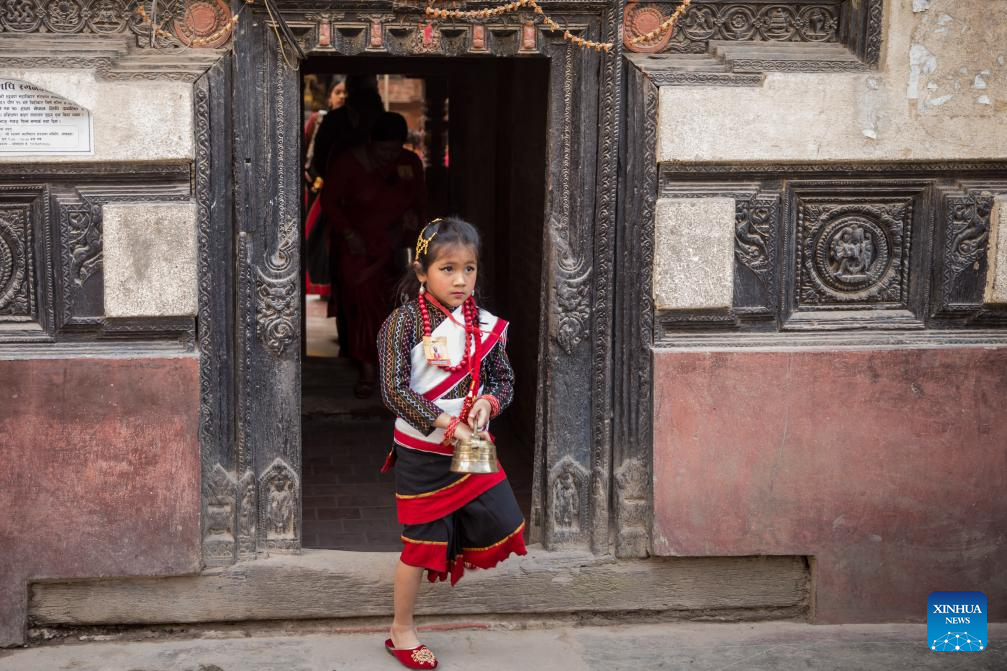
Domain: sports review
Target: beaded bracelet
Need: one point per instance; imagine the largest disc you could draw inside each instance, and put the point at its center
(494, 404)
(449, 432)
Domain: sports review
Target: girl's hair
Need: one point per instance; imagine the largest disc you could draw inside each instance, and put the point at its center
(441, 233)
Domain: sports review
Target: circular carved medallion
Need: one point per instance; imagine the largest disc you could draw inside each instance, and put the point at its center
(739, 23)
(64, 16)
(817, 24)
(19, 16)
(106, 16)
(640, 20)
(201, 21)
(851, 255)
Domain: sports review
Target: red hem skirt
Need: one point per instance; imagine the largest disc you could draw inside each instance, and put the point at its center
(484, 526)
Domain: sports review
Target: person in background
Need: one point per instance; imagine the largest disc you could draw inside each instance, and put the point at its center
(374, 194)
(336, 99)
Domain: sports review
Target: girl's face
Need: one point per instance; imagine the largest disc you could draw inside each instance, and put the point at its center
(451, 277)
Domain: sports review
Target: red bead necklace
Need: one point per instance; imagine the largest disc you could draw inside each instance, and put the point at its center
(469, 361)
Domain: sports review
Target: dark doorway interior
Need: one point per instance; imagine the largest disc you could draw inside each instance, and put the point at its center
(480, 126)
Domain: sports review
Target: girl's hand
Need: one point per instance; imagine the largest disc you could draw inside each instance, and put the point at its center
(479, 415)
(462, 432)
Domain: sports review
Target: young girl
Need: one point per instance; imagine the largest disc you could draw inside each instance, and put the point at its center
(444, 373)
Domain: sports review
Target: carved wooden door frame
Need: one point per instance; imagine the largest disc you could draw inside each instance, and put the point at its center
(247, 179)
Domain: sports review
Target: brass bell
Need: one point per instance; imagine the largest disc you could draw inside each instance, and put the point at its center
(475, 455)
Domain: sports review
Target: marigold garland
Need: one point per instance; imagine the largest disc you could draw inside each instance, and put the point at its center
(514, 6)
(433, 12)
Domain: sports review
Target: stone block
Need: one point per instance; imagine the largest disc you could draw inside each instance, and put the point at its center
(150, 259)
(694, 254)
(996, 275)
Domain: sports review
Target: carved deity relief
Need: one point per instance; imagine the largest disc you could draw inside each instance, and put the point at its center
(218, 517)
(567, 502)
(279, 492)
(280, 509)
(569, 485)
(854, 252)
(247, 514)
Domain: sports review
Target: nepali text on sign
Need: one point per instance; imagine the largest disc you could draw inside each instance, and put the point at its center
(34, 121)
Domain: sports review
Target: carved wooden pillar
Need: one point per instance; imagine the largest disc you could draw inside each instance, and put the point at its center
(266, 153)
(575, 465)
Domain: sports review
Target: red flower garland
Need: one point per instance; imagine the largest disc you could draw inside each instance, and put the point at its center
(469, 359)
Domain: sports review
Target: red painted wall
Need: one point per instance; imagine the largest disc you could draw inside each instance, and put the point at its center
(889, 466)
(99, 472)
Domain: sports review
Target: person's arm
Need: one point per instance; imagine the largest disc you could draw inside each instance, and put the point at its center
(394, 363)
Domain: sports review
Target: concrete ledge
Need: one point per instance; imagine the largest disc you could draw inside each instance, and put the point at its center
(332, 584)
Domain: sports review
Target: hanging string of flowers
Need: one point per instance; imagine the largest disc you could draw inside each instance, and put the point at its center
(435, 13)
(516, 5)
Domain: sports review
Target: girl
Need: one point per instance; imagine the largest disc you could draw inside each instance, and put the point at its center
(444, 373)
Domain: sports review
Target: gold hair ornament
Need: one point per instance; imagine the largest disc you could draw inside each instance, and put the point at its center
(421, 242)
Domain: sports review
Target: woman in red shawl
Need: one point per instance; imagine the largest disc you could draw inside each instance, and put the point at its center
(374, 193)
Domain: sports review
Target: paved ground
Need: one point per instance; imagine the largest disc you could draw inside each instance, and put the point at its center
(769, 646)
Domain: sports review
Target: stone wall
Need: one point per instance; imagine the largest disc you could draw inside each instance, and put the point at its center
(886, 466)
(100, 404)
(940, 93)
(855, 425)
(100, 472)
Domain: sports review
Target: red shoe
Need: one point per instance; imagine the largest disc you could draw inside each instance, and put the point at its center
(420, 657)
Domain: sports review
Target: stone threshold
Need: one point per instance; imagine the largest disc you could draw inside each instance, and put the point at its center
(331, 584)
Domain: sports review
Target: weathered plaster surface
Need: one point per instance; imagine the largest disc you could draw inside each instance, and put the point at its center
(100, 473)
(996, 274)
(694, 253)
(150, 259)
(133, 120)
(940, 93)
(888, 466)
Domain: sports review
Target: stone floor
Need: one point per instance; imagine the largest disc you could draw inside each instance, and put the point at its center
(348, 504)
(746, 646)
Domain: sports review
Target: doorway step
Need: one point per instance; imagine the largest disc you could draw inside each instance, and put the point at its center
(328, 584)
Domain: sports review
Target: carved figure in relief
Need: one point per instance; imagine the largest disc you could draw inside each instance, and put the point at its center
(280, 512)
(567, 502)
(853, 252)
(247, 517)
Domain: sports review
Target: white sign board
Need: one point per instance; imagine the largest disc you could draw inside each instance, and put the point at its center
(34, 122)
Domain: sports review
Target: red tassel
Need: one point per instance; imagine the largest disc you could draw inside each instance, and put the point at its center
(389, 460)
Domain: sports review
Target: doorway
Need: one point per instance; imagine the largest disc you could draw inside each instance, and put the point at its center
(479, 126)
